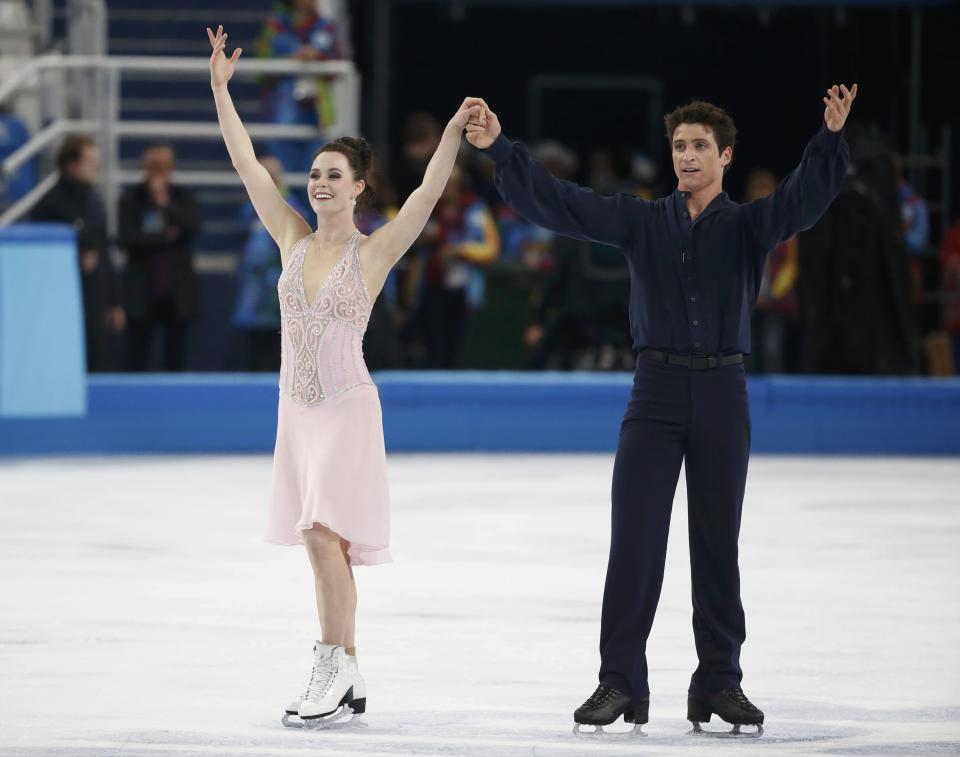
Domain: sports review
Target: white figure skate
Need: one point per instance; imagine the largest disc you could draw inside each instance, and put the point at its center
(336, 693)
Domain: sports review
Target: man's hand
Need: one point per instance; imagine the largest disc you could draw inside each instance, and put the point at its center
(838, 102)
(483, 128)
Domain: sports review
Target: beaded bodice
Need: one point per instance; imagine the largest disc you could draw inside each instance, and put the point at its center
(322, 341)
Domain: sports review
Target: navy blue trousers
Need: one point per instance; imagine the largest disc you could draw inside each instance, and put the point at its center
(674, 415)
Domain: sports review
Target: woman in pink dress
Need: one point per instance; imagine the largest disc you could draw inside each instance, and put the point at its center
(329, 472)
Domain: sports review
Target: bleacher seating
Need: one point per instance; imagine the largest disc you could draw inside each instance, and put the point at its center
(176, 27)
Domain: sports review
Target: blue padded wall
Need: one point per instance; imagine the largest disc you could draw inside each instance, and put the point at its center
(494, 412)
(42, 357)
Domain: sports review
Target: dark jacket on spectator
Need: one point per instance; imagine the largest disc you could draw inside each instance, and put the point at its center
(159, 246)
(77, 204)
(853, 281)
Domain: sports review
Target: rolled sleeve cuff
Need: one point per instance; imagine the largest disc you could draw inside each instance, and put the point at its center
(827, 140)
(500, 150)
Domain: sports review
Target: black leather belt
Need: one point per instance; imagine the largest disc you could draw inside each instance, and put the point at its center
(694, 362)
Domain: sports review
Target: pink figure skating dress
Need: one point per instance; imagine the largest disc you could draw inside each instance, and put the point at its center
(329, 464)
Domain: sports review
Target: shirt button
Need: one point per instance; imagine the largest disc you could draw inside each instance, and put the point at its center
(696, 344)
(696, 323)
(693, 299)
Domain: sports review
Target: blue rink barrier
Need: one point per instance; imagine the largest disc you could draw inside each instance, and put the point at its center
(42, 352)
(491, 412)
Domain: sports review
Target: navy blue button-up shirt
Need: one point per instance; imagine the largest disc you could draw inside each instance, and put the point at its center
(692, 283)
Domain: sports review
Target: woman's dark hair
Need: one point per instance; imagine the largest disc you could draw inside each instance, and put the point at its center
(707, 115)
(359, 155)
(72, 150)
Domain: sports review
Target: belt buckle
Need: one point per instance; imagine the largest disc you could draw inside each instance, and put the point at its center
(699, 362)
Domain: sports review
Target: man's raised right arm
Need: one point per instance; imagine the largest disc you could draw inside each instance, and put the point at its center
(560, 206)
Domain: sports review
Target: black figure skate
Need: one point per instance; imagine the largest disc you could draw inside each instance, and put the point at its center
(730, 705)
(604, 707)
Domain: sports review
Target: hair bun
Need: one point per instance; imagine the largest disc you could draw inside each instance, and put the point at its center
(362, 148)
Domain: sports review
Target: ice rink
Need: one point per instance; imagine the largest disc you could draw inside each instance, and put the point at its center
(140, 614)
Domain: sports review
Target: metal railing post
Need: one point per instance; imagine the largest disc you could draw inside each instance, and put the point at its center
(89, 86)
(111, 150)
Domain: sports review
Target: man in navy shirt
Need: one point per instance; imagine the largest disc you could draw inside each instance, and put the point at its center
(696, 259)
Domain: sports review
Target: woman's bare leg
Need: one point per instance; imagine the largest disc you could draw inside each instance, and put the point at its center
(335, 587)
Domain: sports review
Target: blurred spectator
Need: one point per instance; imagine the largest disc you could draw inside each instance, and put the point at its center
(603, 177)
(257, 310)
(914, 215)
(421, 135)
(158, 222)
(13, 135)
(460, 237)
(775, 327)
(521, 239)
(295, 30)
(381, 343)
(643, 172)
(853, 295)
(73, 200)
(583, 321)
(950, 272)
(481, 176)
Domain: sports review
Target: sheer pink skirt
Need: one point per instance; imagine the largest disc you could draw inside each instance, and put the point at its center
(330, 468)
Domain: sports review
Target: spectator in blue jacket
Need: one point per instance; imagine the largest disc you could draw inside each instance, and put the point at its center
(257, 311)
(13, 135)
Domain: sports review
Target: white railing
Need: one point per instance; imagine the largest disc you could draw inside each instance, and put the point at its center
(49, 77)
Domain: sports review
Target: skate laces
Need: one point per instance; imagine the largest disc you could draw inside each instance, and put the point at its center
(601, 696)
(321, 679)
(740, 698)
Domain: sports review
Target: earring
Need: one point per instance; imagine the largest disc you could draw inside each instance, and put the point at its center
(353, 200)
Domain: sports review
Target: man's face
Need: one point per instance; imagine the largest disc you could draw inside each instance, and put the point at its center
(87, 165)
(697, 160)
(158, 163)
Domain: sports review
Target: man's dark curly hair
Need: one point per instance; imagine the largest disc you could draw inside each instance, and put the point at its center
(713, 118)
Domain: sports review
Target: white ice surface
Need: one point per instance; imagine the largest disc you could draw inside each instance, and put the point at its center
(140, 614)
